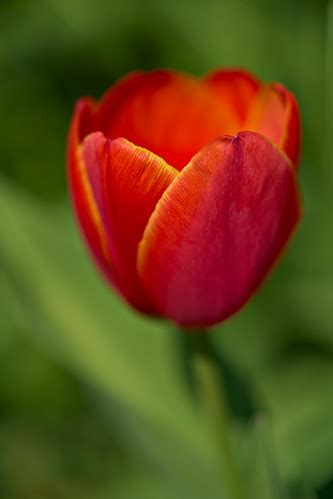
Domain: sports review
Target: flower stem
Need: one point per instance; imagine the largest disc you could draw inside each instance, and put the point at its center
(213, 400)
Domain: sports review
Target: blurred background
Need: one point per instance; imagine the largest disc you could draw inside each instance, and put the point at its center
(94, 400)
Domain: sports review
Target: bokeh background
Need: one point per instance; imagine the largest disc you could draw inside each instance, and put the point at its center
(94, 399)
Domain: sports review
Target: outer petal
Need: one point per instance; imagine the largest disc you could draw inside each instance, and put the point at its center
(126, 181)
(218, 229)
(109, 181)
(86, 207)
(274, 113)
(236, 88)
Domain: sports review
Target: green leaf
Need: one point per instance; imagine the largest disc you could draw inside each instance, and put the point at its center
(299, 399)
(131, 358)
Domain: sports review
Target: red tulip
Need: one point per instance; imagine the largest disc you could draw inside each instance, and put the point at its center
(185, 189)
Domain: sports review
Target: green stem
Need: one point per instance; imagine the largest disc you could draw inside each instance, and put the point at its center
(214, 404)
(276, 488)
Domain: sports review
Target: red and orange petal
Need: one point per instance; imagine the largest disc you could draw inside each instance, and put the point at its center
(115, 186)
(89, 217)
(135, 179)
(171, 114)
(174, 115)
(236, 88)
(85, 206)
(291, 139)
(274, 113)
(218, 229)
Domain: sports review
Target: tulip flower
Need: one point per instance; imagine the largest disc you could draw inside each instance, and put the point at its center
(185, 189)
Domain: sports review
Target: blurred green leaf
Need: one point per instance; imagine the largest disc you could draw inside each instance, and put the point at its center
(298, 392)
(81, 320)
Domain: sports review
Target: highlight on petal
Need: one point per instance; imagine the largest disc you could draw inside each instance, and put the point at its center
(274, 113)
(217, 230)
(236, 88)
(169, 113)
(116, 188)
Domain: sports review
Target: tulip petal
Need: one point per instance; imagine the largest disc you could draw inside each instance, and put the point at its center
(86, 208)
(274, 113)
(218, 229)
(169, 113)
(127, 181)
(235, 88)
(109, 181)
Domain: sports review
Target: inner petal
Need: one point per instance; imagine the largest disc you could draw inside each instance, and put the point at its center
(170, 114)
(268, 113)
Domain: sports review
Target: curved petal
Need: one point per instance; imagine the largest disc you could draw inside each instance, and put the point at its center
(218, 229)
(115, 97)
(126, 181)
(169, 113)
(102, 202)
(236, 88)
(274, 113)
(291, 139)
(81, 123)
(86, 209)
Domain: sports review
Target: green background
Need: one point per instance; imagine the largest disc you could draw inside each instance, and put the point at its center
(94, 399)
